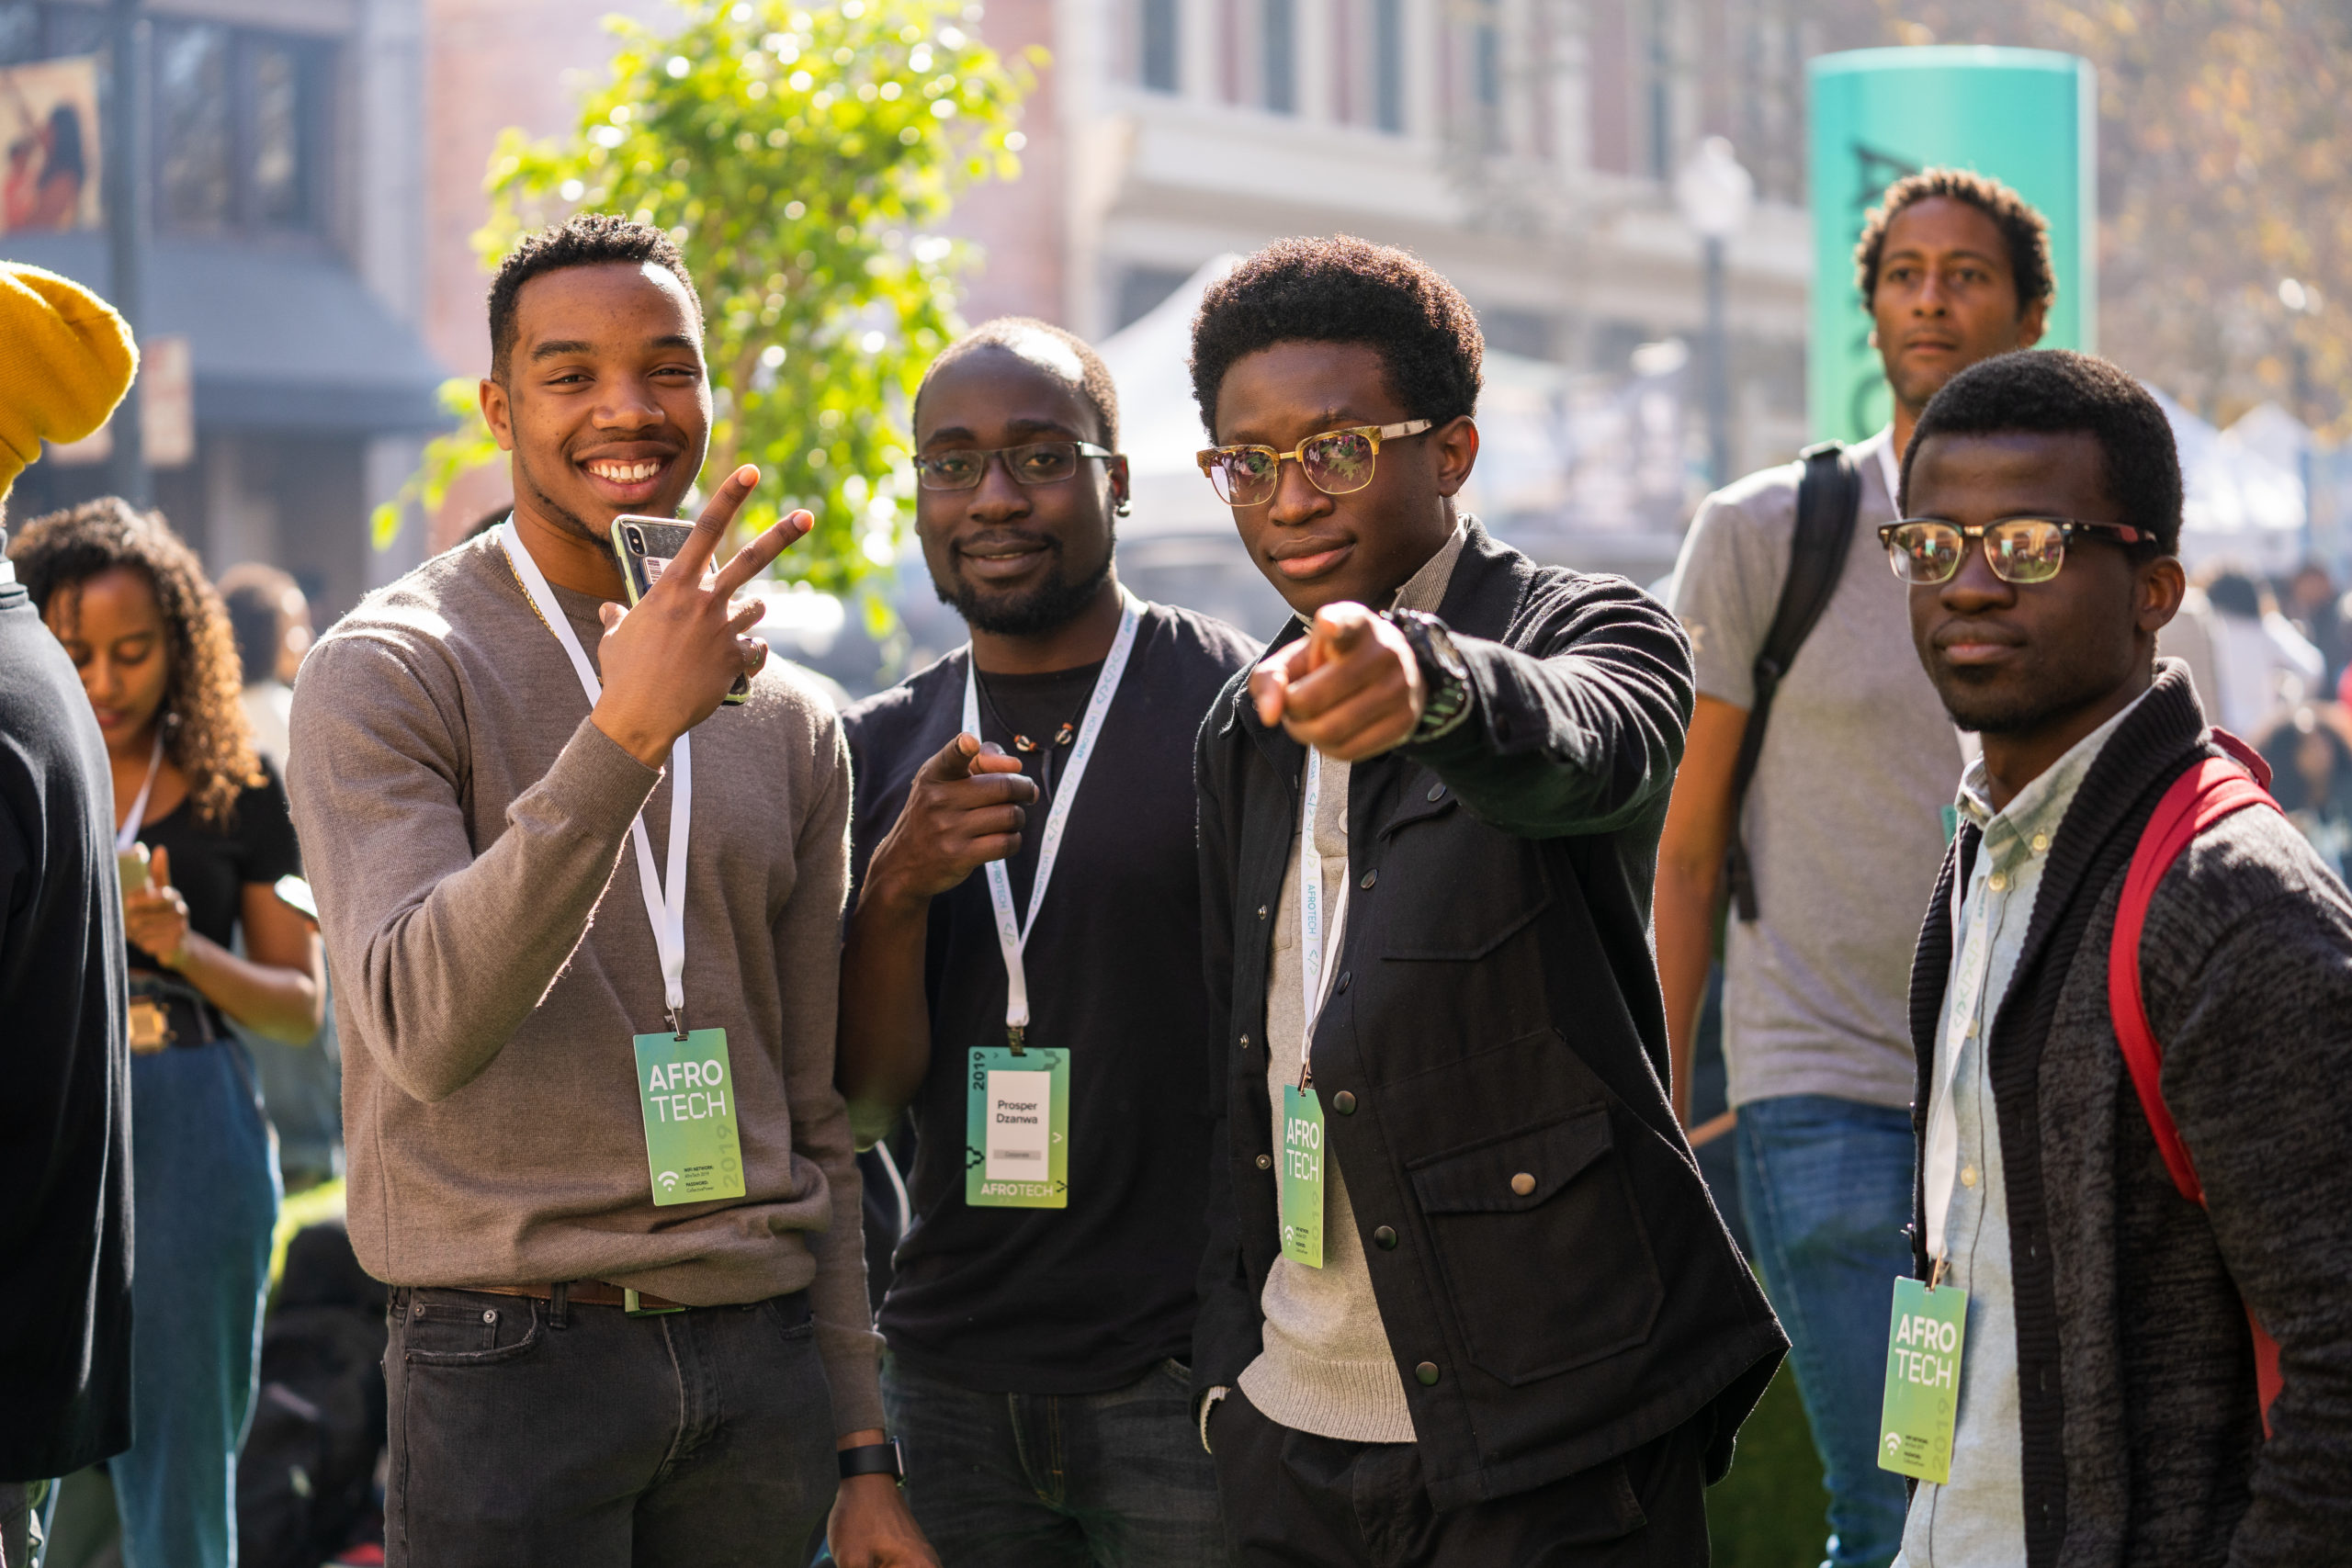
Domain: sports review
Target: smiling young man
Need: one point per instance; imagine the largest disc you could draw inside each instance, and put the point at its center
(2107, 1398)
(1465, 1299)
(615, 1338)
(1040, 1315)
(1840, 827)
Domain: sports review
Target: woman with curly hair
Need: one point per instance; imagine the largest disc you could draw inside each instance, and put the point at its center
(203, 835)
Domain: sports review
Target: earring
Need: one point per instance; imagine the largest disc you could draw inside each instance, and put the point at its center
(1121, 509)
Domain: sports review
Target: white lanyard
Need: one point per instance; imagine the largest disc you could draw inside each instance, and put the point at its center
(1967, 991)
(1012, 932)
(1319, 945)
(128, 834)
(1890, 469)
(665, 901)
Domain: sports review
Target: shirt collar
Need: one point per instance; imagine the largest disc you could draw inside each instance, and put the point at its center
(2032, 818)
(1425, 589)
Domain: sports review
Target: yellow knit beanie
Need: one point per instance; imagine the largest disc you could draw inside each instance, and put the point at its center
(65, 360)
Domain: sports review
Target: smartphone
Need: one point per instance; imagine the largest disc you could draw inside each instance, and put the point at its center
(130, 864)
(646, 546)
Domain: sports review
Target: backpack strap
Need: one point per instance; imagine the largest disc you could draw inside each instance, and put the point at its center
(2212, 789)
(1828, 495)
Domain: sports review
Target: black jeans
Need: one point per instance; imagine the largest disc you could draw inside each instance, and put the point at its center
(601, 1441)
(1294, 1500)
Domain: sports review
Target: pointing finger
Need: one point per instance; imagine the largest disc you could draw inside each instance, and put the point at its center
(953, 760)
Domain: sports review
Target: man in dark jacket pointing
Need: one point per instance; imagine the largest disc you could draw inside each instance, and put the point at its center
(1466, 1299)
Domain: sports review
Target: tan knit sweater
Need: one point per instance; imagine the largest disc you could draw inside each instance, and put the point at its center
(465, 829)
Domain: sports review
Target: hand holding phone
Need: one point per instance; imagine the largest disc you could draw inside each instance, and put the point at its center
(669, 658)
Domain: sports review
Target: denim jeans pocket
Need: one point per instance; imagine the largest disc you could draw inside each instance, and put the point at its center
(453, 1328)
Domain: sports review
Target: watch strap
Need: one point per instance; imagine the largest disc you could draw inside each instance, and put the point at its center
(874, 1458)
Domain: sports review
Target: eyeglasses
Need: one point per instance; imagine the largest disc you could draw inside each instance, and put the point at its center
(1336, 462)
(1037, 463)
(1927, 550)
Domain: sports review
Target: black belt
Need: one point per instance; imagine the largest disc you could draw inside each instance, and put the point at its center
(167, 1012)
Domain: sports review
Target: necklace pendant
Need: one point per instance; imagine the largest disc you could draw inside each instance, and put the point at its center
(1023, 743)
(1069, 730)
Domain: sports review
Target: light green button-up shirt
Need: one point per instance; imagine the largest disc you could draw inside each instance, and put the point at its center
(1977, 1519)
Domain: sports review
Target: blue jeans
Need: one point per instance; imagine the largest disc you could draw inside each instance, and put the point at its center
(1115, 1480)
(204, 1188)
(1826, 1185)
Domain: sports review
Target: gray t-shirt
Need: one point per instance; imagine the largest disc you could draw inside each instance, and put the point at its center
(1844, 821)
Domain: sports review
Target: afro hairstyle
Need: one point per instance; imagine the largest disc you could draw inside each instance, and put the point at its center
(584, 239)
(2022, 228)
(1020, 335)
(1343, 289)
(2057, 392)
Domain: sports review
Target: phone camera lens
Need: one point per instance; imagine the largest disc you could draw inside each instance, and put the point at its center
(637, 541)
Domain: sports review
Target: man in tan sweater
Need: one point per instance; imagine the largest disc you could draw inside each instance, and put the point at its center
(591, 1359)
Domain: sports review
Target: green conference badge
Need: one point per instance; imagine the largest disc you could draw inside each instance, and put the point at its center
(1301, 1192)
(1016, 1152)
(1922, 1380)
(688, 1096)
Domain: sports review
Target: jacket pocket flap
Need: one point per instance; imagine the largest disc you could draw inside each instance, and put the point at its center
(1489, 1177)
(1417, 807)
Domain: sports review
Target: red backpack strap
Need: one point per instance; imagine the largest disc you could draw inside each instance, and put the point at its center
(2211, 790)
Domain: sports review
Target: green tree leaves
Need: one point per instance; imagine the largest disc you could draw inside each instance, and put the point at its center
(799, 154)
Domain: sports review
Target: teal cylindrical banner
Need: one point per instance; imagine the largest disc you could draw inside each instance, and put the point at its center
(2027, 117)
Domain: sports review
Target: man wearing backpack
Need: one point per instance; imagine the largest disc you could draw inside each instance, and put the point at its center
(1844, 799)
(2095, 1230)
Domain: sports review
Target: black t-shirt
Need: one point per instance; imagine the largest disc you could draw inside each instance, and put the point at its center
(211, 866)
(1087, 1298)
(66, 1109)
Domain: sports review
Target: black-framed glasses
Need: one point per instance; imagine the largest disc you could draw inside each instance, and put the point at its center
(1928, 550)
(1034, 463)
(1336, 462)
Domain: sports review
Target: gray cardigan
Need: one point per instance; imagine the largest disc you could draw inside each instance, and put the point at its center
(2141, 1441)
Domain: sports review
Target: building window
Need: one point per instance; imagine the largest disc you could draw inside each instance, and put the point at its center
(192, 124)
(1486, 80)
(1388, 66)
(1278, 22)
(237, 127)
(1161, 32)
(30, 31)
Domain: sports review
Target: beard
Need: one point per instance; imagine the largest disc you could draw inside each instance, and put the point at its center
(1984, 707)
(555, 511)
(1033, 612)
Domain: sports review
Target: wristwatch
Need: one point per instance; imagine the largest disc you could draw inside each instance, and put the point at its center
(1445, 678)
(875, 1459)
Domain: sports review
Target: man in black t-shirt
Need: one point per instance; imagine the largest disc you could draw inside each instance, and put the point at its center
(1041, 1021)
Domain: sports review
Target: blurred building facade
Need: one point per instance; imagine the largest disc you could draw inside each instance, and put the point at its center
(281, 196)
(1526, 148)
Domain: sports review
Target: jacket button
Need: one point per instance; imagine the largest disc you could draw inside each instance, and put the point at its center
(1347, 977)
(1385, 1238)
(1369, 878)
(1522, 1184)
(1344, 1103)
(1437, 792)
(1261, 911)
(1265, 1162)
(1245, 1043)
(1426, 1372)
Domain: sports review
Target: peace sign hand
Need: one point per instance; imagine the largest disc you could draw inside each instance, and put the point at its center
(668, 662)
